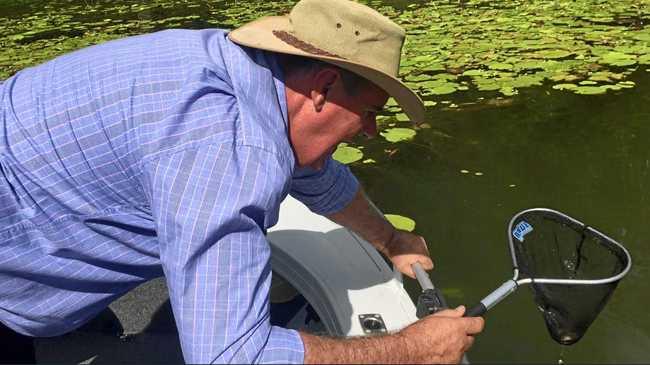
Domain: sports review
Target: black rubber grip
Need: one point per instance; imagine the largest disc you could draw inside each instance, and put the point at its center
(476, 311)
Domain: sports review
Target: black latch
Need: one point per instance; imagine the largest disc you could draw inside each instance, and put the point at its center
(430, 301)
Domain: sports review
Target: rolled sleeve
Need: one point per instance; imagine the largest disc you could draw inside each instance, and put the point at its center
(211, 205)
(327, 190)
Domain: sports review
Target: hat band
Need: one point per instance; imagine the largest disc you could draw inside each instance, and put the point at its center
(291, 40)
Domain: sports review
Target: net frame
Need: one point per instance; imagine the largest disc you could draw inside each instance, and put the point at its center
(511, 285)
(531, 280)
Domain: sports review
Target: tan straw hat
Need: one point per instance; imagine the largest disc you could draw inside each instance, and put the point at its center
(344, 33)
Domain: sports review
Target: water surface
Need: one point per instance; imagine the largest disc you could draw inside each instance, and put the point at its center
(586, 156)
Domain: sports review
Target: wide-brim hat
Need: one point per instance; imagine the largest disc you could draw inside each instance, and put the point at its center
(341, 32)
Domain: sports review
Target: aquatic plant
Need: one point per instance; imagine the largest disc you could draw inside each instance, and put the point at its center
(401, 222)
(491, 49)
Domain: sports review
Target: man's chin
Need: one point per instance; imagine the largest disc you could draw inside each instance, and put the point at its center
(320, 162)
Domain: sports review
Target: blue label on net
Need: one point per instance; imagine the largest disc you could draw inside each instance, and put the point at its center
(522, 229)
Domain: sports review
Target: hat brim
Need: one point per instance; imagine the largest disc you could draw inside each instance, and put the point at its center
(259, 34)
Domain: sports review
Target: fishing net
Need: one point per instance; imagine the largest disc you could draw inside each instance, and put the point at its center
(572, 269)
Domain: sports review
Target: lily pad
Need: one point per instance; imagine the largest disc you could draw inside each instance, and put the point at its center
(444, 89)
(346, 154)
(565, 87)
(644, 60)
(552, 54)
(401, 117)
(618, 59)
(401, 222)
(590, 90)
(562, 40)
(474, 73)
(626, 84)
(500, 66)
(391, 102)
(398, 134)
(508, 91)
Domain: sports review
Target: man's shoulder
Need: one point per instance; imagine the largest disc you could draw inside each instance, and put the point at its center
(166, 46)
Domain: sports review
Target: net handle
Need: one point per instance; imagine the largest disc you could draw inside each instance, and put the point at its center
(492, 299)
(422, 276)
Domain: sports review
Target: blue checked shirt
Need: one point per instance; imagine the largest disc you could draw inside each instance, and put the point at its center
(161, 154)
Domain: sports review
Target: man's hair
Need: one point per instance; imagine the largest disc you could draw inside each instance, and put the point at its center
(352, 82)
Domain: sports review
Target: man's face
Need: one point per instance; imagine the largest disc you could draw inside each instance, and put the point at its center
(322, 113)
(348, 116)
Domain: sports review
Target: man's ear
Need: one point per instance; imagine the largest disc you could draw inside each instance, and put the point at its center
(323, 81)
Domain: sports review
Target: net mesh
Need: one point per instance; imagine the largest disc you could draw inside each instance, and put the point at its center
(552, 246)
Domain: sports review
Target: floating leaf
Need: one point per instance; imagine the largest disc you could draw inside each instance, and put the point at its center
(443, 89)
(398, 134)
(618, 59)
(590, 90)
(552, 54)
(562, 76)
(445, 77)
(391, 102)
(644, 60)
(626, 84)
(508, 91)
(527, 80)
(500, 66)
(402, 117)
(474, 73)
(346, 154)
(565, 87)
(420, 77)
(605, 76)
(564, 40)
(401, 222)
(645, 37)
(423, 58)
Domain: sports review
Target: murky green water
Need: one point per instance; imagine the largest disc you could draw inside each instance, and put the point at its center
(493, 148)
(584, 155)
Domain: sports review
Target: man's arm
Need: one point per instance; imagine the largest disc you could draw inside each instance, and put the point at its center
(401, 247)
(210, 203)
(440, 338)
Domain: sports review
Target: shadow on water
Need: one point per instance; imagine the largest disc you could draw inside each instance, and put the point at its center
(583, 155)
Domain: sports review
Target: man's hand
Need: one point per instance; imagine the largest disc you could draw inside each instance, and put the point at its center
(401, 247)
(444, 337)
(436, 339)
(404, 249)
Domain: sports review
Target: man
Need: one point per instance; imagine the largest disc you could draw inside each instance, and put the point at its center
(169, 154)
